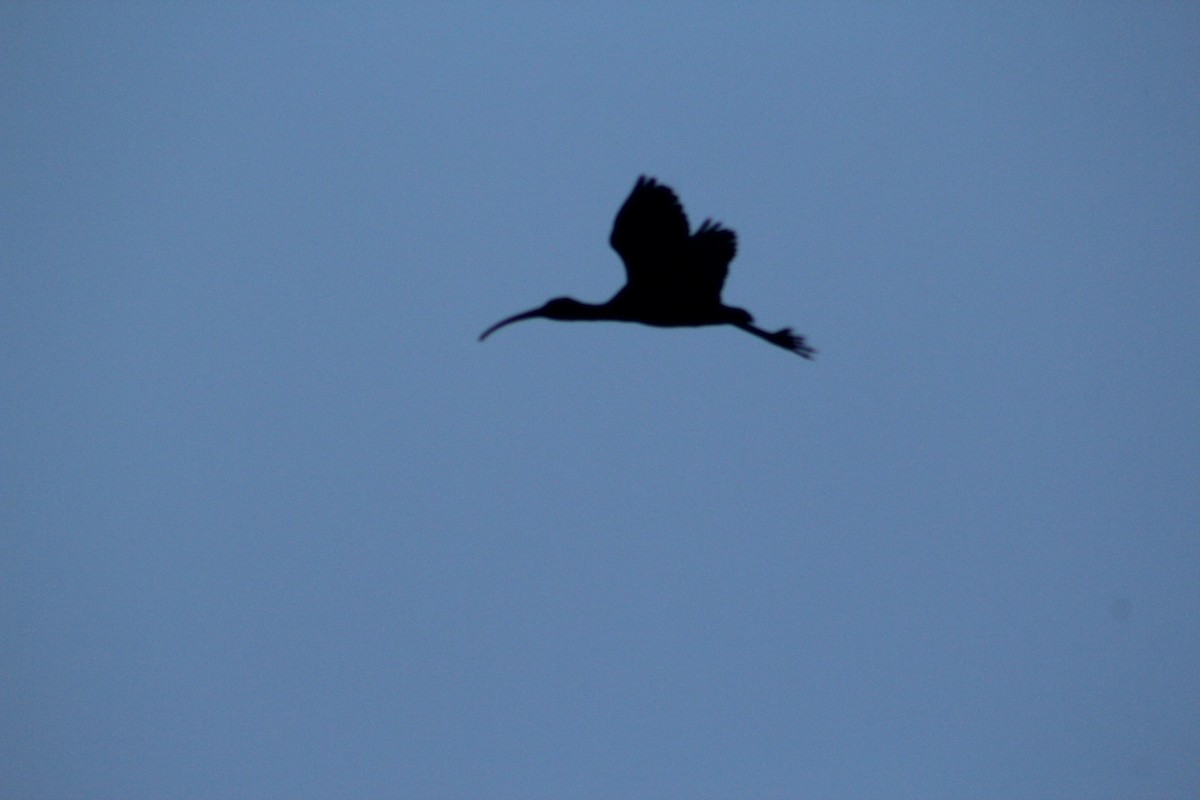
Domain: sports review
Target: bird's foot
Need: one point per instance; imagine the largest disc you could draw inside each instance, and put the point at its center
(794, 342)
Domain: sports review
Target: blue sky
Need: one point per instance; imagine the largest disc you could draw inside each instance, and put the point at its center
(277, 525)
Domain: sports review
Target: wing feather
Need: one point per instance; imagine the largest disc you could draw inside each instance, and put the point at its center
(712, 248)
(650, 234)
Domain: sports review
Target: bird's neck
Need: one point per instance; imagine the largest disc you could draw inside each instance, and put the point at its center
(591, 311)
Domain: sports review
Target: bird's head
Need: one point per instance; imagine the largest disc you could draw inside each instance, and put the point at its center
(564, 308)
(561, 308)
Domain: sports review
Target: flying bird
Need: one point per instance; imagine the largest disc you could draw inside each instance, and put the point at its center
(673, 277)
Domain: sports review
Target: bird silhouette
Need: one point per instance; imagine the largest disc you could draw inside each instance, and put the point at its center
(673, 277)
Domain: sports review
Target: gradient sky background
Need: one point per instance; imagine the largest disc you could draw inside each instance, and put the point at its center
(275, 524)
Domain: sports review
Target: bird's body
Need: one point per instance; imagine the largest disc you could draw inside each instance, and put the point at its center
(674, 277)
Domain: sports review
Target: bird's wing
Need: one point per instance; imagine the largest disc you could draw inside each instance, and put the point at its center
(711, 249)
(650, 234)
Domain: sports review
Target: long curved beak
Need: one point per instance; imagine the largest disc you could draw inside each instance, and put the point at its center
(537, 312)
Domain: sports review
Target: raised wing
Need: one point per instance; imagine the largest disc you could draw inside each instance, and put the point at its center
(711, 249)
(650, 234)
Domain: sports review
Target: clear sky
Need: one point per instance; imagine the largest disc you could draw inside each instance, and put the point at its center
(276, 525)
